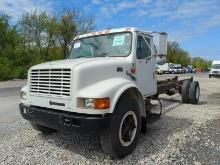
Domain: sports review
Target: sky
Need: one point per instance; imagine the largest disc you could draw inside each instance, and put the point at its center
(195, 24)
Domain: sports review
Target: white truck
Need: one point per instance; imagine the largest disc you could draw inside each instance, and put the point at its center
(104, 88)
(165, 67)
(215, 70)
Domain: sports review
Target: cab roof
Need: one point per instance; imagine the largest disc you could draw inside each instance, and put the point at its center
(108, 31)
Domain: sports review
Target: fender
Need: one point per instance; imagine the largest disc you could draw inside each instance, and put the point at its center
(112, 88)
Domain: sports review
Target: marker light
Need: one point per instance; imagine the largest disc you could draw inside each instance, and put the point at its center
(102, 103)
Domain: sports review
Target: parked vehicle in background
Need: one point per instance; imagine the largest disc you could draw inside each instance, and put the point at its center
(215, 70)
(175, 70)
(185, 70)
(159, 71)
(180, 69)
(166, 67)
(191, 69)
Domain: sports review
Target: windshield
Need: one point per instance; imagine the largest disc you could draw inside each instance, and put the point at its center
(216, 66)
(114, 45)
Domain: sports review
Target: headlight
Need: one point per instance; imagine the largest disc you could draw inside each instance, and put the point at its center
(94, 103)
(23, 95)
(89, 103)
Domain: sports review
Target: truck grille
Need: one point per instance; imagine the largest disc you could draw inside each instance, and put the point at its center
(54, 82)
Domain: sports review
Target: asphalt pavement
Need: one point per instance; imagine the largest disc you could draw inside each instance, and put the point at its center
(9, 100)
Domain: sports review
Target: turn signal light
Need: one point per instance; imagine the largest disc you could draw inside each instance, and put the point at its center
(102, 103)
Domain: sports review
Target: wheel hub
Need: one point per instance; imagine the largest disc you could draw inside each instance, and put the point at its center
(128, 128)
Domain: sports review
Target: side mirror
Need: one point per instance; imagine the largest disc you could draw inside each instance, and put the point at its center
(162, 49)
(162, 45)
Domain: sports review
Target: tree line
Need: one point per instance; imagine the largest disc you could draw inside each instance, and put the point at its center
(177, 55)
(38, 37)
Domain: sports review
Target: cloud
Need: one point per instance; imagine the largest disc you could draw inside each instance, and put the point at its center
(184, 19)
(96, 2)
(211, 22)
(16, 8)
(113, 8)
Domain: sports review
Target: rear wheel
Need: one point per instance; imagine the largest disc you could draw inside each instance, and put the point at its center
(185, 91)
(210, 76)
(42, 129)
(194, 92)
(122, 136)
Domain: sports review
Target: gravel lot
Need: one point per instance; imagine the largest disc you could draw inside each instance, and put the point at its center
(185, 134)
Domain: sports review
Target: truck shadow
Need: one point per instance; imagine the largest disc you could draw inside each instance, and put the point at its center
(153, 142)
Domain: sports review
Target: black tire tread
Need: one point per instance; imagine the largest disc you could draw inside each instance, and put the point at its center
(185, 91)
(192, 92)
(107, 137)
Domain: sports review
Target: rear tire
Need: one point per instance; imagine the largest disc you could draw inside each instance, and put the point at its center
(194, 92)
(210, 76)
(185, 91)
(42, 129)
(122, 136)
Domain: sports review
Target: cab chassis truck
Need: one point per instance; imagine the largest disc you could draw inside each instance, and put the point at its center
(104, 87)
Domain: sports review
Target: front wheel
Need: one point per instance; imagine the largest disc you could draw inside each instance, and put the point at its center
(122, 136)
(210, 76)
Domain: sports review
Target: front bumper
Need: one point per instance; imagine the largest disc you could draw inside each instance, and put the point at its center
(66, 121)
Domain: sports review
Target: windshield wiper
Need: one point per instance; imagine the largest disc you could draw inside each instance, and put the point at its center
(102, 55)
(83, 56)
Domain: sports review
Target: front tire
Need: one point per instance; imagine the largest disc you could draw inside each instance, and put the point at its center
(122, 136)
(42, 129)
(210, 76)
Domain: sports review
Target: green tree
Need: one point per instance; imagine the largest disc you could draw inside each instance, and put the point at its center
(70, 24)
(38, 29)
(38, 37)
(199, 62)
(175, 54)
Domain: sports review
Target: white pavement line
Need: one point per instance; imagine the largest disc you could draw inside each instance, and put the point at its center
(171, 106)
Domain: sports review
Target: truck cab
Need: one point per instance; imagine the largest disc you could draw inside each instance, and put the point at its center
(100, 89)
(215, 70)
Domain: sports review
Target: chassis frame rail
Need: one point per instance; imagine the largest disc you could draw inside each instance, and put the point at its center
(171, 85)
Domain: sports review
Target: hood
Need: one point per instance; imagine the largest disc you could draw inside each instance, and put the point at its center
(70, 63)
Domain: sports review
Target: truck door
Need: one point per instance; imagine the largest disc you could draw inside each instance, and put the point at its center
(145, 66)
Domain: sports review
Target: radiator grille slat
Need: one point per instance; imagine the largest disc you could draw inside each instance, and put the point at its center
(53, 82)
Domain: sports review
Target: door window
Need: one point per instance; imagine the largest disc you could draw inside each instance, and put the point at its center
(143, 50)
